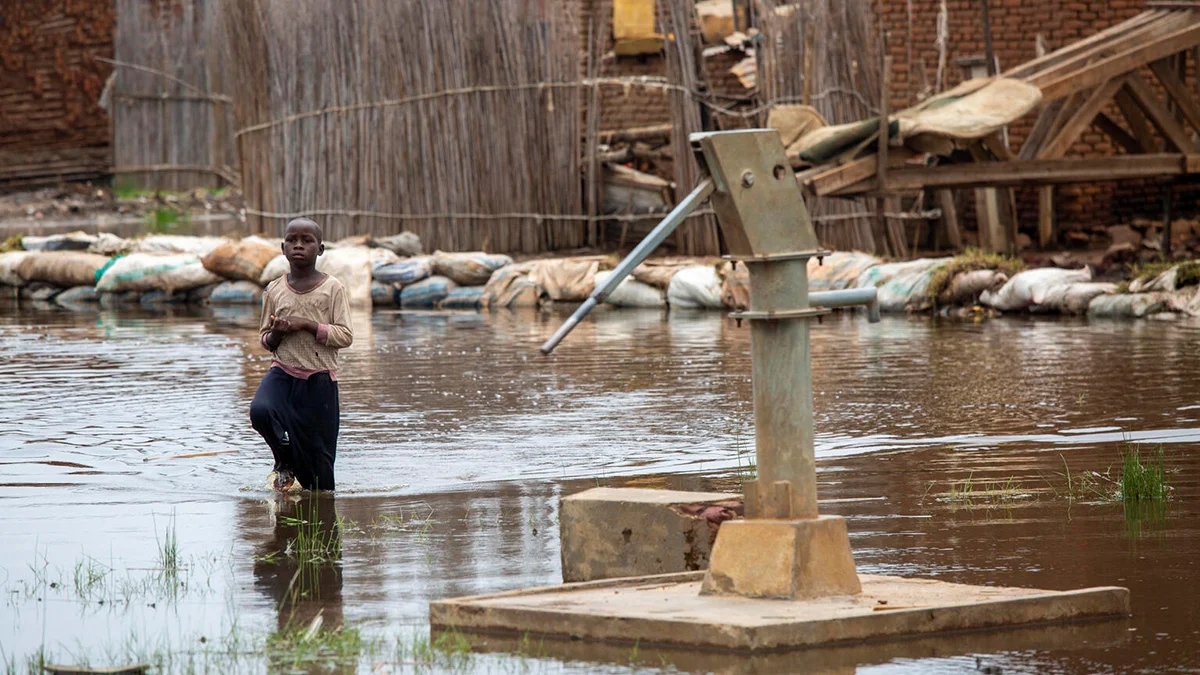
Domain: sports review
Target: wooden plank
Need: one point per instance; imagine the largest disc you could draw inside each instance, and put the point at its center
(1124, 62)
(1045, 215)
(1146, 34)
(1163, 120)
(945, 201)
(1041, 130)
(1178, 92)
(1032, 172)
(1173, 4)
(1058, 55)
(839, 177)
(995, 143)
(1137, 122)
(1119, 136)
(1080, 119)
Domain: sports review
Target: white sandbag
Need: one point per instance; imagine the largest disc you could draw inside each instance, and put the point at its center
(382, 256)
(9, 264)
(1029, 287)
(468, 269)
(1129, 305)
(177, 243)
(839, 270)
(75, 241)
(878, 275)
(1166, 281)
(278, 267)
(150, 272)
(109, 244)
(906, 291)
(698, 286)
(404, 244)
(77, 295)
(236, 293)
(404, 272)
(632, 293)
(384, 295)
(351, 266)
(965, 288)
(1072, 298)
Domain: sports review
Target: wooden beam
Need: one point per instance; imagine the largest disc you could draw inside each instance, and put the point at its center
(1126, 61)
(1045, 215)
(945, 202)
(834, 179)
(995, 143)
(1137, 122)
(1033, 172)
(1178, 92)
(1041, 129)
(1144, 34)
(1119, 136)
(1173, 4)
(1166, 123)
(1080, 119)
(1042, 62)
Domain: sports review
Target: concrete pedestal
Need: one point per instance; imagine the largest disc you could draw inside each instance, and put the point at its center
(787, 559)
(670, 610)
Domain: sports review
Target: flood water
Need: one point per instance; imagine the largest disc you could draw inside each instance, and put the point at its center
(458, 439)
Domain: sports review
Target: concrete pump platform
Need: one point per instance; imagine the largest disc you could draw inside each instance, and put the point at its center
(669, 610)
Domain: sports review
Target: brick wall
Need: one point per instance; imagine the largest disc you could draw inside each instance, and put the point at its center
(50, 123)
(1015, 27)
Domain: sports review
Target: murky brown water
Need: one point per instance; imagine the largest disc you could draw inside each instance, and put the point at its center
(458, 441)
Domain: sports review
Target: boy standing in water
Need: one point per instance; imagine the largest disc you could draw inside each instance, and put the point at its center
(305, 321)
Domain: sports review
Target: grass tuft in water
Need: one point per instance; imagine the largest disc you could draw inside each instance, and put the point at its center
(1143, 481)
(1188, 274)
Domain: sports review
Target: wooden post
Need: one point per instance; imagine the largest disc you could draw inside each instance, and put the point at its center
(881, 245)
(988, 50)
(945, 200)
(1166, 237)
(1045, 215)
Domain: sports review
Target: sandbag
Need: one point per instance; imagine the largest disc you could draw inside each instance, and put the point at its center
(9, 262)
(62, 268)
(114, 300)
(404, 272)
(468, 269)
(39, 291)
(278, 267)
(404, 244)
(697, 286)
(381, 257)
(352, 267)
(240, 260)
(236, 293)
(1072, 298)
(1029, 287)
(75, 241)
(839, 270)
(878, 275)
(177, 243)
(632, 293)
(1129, 305)
(78, 295)
(965, 288)
(202, 293)
(907, 291)
(510, 287)
(109, 244)
(735, 286)
(565, 279)
(154, 272)
(384, 295)
(1166, 281)
(465, 297)
(427, 292)
(658, 272)
(163, 297)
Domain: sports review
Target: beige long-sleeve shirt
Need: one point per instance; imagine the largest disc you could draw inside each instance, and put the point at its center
(301, 353)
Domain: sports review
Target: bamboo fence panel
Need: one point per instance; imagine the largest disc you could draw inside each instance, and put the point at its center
(440, 118)
(825, 53)
(172, 123)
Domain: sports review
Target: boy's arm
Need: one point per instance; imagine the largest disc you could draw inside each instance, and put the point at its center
(337, 333)
(270, 340)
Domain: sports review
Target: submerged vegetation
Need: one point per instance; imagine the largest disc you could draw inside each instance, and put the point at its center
(1137, 480)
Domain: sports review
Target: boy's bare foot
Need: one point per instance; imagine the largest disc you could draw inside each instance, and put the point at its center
(285, 481)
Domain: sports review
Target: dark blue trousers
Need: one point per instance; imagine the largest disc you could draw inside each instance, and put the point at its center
(299, 419)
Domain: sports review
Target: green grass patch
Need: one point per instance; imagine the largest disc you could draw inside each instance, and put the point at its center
(970, 260)
(1188, 274)
(1143, 480)
(13, 243)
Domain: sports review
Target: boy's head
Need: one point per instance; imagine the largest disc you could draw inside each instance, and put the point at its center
(302, 243)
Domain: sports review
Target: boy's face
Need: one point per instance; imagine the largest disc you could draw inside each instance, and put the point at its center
(302, 244)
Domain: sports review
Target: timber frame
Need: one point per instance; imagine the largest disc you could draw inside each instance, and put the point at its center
(1083, 85)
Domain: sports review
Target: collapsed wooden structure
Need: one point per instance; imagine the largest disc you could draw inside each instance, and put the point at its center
(1137, 68)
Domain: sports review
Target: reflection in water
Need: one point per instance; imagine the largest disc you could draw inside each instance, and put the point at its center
(459, 441)
(299, 566)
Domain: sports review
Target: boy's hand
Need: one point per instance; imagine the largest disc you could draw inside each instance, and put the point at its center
(281, 324)
(294, 323)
